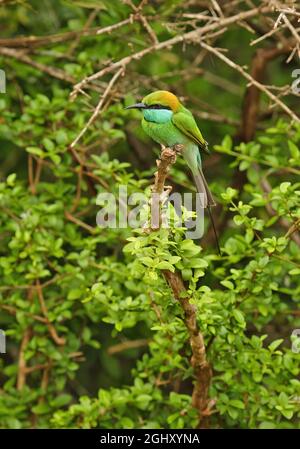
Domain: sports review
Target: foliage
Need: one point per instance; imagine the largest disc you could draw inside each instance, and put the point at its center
(71, 291)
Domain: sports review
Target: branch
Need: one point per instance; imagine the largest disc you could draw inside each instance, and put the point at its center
(79, 222)
(201, 367)
(130, 344)
(98, 107)
(139, 16)
(290, 233)
(167, 158)
(251, 100)
(257, 84)
(52, 331)
(21, 379)
(41, 41)
(189, 36)
(13, 311)
(20, 55)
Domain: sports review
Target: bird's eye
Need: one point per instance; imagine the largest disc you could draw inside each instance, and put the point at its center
(158, 106)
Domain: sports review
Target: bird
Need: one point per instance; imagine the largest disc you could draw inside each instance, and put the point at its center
(169, 123)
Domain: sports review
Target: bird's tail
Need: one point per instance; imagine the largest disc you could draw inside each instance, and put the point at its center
(207, 199)
(202, 187)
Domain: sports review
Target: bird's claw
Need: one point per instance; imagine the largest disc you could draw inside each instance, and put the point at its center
(178, 148)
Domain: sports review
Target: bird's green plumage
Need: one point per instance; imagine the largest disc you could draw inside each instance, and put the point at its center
(185, 122)
(164, 133)
(169, 123)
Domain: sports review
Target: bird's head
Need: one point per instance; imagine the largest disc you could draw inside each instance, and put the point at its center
(158, 106)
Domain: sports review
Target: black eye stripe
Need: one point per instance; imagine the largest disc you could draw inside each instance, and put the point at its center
(158, 106)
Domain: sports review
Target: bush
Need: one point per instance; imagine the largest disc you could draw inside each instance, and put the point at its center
(95, 337)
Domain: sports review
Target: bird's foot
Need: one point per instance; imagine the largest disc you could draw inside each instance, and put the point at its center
(178, 148)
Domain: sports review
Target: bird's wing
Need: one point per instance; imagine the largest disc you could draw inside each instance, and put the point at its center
(186, 123)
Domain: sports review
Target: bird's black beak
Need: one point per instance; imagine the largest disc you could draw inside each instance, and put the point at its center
(137, 106)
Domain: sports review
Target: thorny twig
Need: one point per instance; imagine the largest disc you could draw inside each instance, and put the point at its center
(98, 107)
(201, 35)
(40, 41)
(246, 75)
(23, 57)
(186, 37)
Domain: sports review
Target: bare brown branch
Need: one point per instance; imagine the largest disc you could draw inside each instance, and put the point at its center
(257, 84)
(193, 36)
(99, 106)
(23, 57)
(21, 379)
(58, 340)
(130, 344)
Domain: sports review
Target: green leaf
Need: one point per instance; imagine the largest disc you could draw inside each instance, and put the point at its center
(229, 194)
(10, 180)
(295, 153)
(238, 315)
(148, 261)
(165, 266)
(61, 400)
(48, 144)
(284, 187)
(35, 150)
(187, 274)
(237, 404)
(198, 263)
(41, 409)
(61, 137)
(233, 413)
(75, 293)
(228, 284)
(126, 423)
(274, 345)
(288, 414)
(267, 425)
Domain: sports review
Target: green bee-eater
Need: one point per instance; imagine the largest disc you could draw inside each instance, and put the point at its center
(169, 123)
